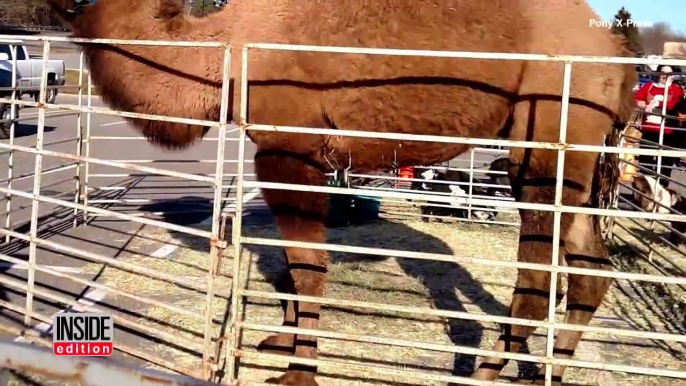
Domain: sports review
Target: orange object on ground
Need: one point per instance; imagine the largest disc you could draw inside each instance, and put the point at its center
(628, 170)
(406, 172)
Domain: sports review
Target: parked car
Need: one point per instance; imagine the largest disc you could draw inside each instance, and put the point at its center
(29, 71)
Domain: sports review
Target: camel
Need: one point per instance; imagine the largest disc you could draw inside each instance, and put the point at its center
(512, 99)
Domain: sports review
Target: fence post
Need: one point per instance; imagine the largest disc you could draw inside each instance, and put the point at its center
(471, 183)
(79, 144)
(36, 185)
(87, 142)
(216, 244)
(13, 129)
(557, 220)
(237, 288)
(658, 166)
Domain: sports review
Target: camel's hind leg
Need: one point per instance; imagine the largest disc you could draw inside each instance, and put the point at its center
(581, 244)
(583, 248)
(300, 216)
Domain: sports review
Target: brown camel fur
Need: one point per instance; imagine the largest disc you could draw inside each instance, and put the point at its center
(470, 98)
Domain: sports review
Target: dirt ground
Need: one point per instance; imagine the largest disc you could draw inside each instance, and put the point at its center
(423, 284)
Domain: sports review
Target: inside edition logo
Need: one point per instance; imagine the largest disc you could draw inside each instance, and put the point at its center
(82, 334)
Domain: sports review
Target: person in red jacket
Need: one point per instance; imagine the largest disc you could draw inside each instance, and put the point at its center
(650, 97)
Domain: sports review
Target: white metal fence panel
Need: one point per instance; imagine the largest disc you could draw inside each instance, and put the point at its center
(82, 202)
(557, 208)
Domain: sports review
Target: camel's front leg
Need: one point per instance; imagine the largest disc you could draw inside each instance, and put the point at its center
(300, 216)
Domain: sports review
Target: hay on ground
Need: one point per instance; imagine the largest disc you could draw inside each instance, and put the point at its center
(472, 288)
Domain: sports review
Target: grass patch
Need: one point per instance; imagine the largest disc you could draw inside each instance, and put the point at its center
(71, 78)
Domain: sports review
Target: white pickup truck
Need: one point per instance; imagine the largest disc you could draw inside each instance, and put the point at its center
(29, 72)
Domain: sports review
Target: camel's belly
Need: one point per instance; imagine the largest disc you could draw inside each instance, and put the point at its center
(366, 155)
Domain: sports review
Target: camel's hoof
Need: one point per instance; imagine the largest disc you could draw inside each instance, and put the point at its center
(485, 373)
(294, 378)
(538, 380)
(282, 344)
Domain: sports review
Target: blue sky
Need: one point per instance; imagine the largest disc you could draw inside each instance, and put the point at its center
(670, 11)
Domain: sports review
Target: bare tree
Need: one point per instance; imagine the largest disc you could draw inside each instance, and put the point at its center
(26, 13)
(653, 38)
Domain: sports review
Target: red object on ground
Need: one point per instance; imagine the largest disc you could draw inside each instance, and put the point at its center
(405, 172)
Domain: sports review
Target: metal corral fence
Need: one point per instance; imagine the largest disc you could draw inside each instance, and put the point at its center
(81, 203)
(558, 208)
(210, 345)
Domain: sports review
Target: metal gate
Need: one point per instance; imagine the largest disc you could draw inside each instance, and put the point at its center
(551, 325)
(85, 206)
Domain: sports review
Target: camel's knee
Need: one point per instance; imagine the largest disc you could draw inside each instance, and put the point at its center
(585, 248)
(579, 232)
(532, 289)
(308, 270)
(588, 291)
(310, 279)
(284, 283)
(582, 237)
(532, 294)
(300, 216)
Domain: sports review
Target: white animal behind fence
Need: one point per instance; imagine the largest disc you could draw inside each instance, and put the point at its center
(457, 184)
(654, 198)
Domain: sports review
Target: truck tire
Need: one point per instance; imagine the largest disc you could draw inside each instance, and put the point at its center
(51, 93)
(5, 113)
